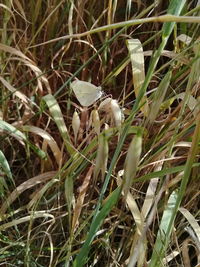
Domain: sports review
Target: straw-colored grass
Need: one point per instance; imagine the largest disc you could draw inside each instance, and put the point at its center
(115, 183)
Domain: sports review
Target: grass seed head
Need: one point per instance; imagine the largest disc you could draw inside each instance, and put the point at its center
(75, 125)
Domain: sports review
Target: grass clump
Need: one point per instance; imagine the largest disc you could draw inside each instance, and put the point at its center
(115, 183)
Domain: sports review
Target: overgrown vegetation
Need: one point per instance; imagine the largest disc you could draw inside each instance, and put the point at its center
(115, 183)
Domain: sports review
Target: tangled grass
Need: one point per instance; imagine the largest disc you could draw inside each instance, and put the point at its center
(115, 183)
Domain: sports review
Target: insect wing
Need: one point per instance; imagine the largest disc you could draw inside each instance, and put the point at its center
(85, 92)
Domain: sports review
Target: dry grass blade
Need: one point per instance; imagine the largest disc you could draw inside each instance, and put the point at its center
(137, 62)
(39, 194)
(194, 224)
(48, 138)
(24, 186)
(62, 199)
(16, 93)
(159, 97)
(59, 120)
(20, 8)
(139, 221)
(36, 214)
(150, 193)
(80, 200)
(14, 51)
(192, 103)
(184, 38)
(28, 62)
(165, 18)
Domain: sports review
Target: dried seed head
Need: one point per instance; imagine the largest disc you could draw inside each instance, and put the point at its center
(102, 157)
(106, 126)
(96, 121)
(75, 125)
(116, 111)
(131, 162)
(105, 105)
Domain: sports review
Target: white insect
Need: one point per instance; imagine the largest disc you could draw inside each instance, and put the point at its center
(85, 92)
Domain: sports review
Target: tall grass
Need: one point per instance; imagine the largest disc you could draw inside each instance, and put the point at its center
(115, 183)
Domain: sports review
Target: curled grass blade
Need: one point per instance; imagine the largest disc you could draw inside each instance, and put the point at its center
(192, 221)
(59, 120)
(48, 138)
(12, 131)
(137, 61)
(24, 186)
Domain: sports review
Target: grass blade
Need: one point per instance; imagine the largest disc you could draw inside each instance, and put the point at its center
(164, 232)
(5, 166)
(159, 97)
(125, 131)
(137, 61)
(81, 258)
(59, 120)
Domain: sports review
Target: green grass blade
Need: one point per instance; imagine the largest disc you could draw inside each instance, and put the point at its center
(127, 126)
(163, 172)
(175, 8)
(5, 166)
(12, 130)
(21, 137)
(164, 232)
(181, 192)
(81, 258)
(159, 97)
